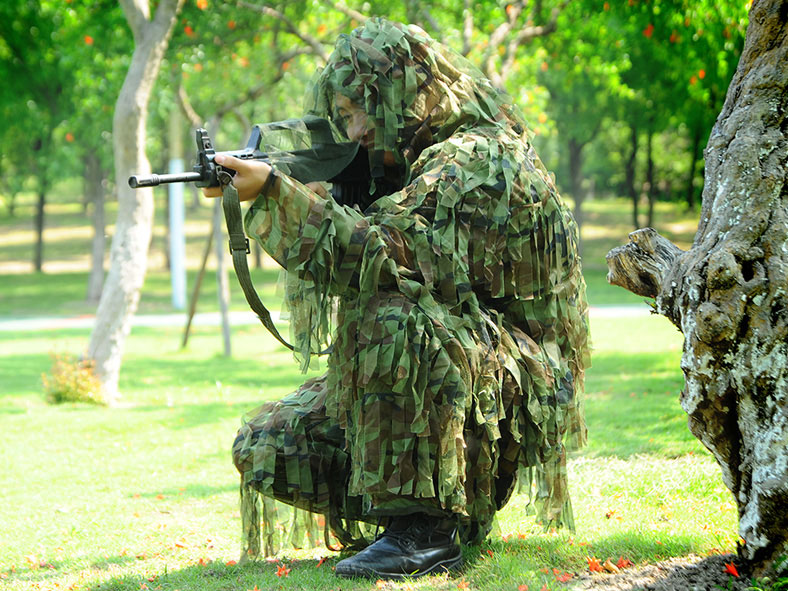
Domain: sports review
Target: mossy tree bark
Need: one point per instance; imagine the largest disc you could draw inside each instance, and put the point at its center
(728, 294)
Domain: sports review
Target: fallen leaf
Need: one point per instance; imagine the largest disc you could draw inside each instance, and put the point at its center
(623, 562)
(282, 571)
(610, 567)
(730, 568)
(593, 565)
(522, 587)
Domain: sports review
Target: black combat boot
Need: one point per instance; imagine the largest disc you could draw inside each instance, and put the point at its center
(412, 546)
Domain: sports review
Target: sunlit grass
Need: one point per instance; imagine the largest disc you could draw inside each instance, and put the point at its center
(145, 496)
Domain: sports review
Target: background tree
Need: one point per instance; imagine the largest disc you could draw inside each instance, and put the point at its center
(727, 293)
(581, 69)
(36, 89)
(98, 57)
(128, 257)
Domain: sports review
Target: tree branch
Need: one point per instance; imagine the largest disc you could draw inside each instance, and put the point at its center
(432, 22)
(137, 13)
(530, 32)
(641, 265)
(313, 42)
(186, 106)
(349, 12)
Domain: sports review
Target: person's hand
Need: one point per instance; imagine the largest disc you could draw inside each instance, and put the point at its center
(250, 176)
(318, 188)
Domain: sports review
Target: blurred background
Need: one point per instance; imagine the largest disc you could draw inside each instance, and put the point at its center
(621, 96)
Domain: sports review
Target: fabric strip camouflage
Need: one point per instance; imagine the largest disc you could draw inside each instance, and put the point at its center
(455, 306)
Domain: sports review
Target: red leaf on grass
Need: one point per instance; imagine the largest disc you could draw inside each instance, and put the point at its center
(730, 568)
(623, 562)
(593, 565)
(282, 571)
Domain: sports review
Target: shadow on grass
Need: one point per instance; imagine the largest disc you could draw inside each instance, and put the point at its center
(293, 575)
(539, 560)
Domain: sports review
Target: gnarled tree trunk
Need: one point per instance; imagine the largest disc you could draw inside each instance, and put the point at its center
(729, 293)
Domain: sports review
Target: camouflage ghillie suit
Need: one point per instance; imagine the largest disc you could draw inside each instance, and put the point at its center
(452, 297)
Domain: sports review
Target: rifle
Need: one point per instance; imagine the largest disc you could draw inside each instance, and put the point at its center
(344, 165)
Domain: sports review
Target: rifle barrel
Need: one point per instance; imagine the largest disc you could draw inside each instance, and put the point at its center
(136, 181)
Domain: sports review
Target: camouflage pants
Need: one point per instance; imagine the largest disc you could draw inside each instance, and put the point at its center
(292, 451)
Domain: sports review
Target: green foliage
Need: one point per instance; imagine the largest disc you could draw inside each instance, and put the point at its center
(606, 67)
(72, 380)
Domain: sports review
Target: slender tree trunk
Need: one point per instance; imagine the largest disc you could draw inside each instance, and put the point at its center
(629, 170)
(696, 137)
(727, 293)
(128, 259)
(576, 177)
(651, 189)
(12, 204)
(38, 254)
(95, 195)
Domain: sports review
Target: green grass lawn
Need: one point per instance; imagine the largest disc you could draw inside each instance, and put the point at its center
(144, 496)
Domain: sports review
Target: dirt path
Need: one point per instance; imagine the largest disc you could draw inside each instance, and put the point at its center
(687, 573)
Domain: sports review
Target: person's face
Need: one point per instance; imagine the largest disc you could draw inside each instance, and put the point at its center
(357, 123)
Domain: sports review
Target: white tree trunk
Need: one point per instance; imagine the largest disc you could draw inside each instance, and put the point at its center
(129, 253)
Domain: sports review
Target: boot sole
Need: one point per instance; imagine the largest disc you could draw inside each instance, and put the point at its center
(369, 573)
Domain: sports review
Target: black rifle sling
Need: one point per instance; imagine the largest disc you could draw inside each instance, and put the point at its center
(239, 248)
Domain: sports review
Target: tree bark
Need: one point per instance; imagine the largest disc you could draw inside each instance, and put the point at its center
(128, 258)
(728, 295)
